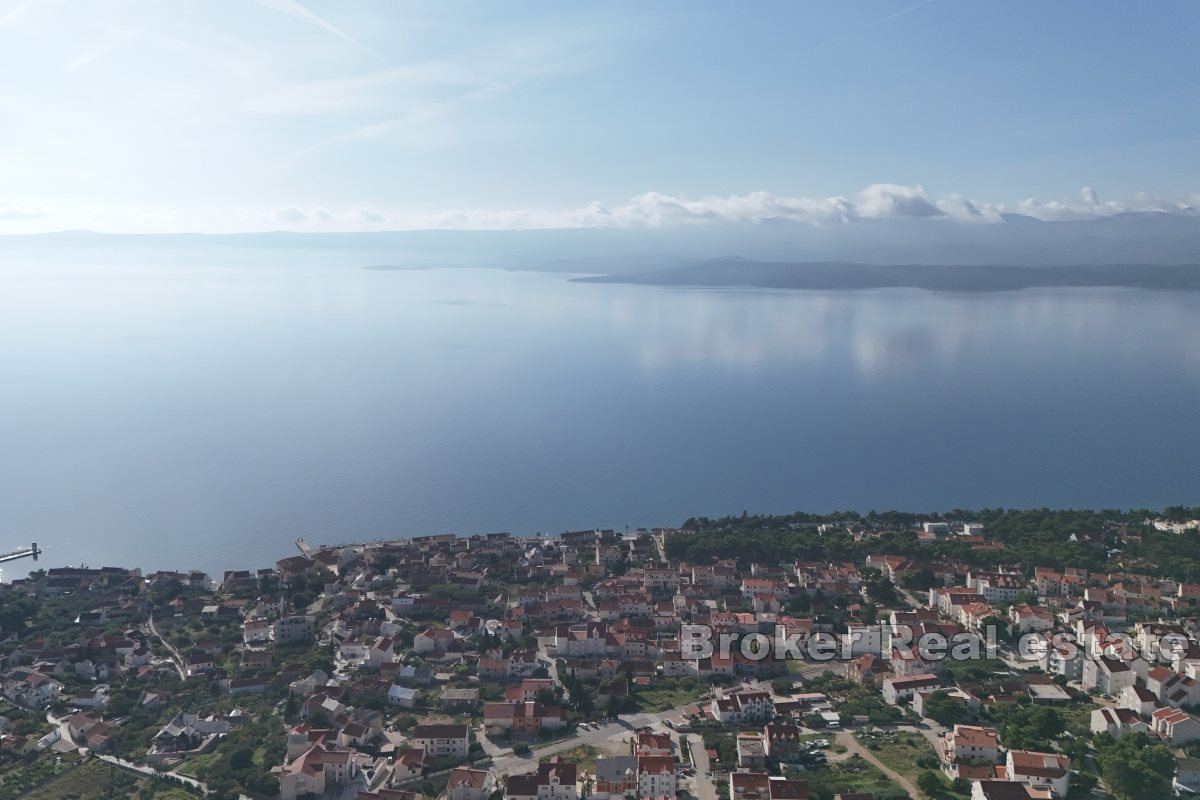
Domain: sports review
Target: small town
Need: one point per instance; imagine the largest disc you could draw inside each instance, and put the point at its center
(502, 667)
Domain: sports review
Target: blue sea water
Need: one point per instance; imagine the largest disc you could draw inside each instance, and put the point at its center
(206, 415)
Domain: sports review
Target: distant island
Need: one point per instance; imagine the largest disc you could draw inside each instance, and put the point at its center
(741, 272)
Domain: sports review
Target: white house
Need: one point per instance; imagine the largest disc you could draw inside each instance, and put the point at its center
(1115, 721)
(1040, 770)
(31, 689)
(743, 707)
(442, 740)
(381, 652)
(1174, 726)
(1026, 618)
(352, 652)
(316, 771)
(1107, 674)
(293, 629)
(865, 639)
(656, 776)
(1002, 790)
(900, 688)
(256, 631)
(465, 783)
(1139, 700)
(402, 696)
(970, 742)
(432, 640)
(554, 780)
(1171, 688)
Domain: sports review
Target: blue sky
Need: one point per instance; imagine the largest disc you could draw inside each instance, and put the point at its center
(305, 115)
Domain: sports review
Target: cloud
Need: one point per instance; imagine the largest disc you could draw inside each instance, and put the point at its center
(14, 13)
(297, 11)
(368, 214)
(9, 211)
(1089, 206)
(877, 202)
(882, 200)
(293, 215)
(98, 52)
(964, 210)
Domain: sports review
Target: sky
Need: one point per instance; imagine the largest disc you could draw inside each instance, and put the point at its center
(243, 115)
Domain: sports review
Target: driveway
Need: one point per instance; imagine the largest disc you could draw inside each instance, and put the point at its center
(705, 790)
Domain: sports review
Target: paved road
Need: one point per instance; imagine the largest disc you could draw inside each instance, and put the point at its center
(150, 771)
(705, 790)
(912, 599)
(851, 744)
(65, 737)
(553, 672)
(176, 659)
(515, 765)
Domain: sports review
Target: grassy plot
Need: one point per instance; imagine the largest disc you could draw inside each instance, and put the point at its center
(848, 777)
(584, 756)
(19, 776)
(667, 693)
(909, 754)
(92, 780)
(196, 764)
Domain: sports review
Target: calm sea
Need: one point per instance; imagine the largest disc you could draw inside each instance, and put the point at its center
(207, 416)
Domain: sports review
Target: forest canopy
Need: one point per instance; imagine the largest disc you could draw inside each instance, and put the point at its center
(1031, 537)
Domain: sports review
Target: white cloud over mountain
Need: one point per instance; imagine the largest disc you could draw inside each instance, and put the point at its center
(876, 201)
(651, 210)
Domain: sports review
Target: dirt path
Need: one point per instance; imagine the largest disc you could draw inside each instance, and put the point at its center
(852, 746)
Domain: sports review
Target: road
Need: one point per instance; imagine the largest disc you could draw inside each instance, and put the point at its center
(932, 732)
(176, 659)
(141, 769)
(702, 783)
(64, 733)
(910, 598)
(846, 739)
(625, 724)
(513, 764)
(553, 672)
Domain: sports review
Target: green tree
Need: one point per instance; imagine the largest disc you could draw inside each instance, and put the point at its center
(929, 782)
(241, 758)
(1133, 768)
(941, 708)
(879, 587)
(919, 580)
(291, 707)
(1029, 727)
(997, 624)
